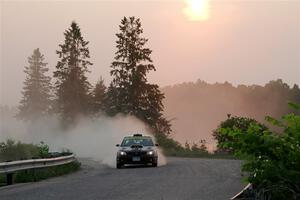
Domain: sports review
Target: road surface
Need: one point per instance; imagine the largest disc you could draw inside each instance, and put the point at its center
(181, 178)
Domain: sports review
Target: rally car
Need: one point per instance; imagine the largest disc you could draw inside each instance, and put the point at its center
(137, 149)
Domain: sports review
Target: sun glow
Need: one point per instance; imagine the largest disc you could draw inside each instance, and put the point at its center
(197, 10)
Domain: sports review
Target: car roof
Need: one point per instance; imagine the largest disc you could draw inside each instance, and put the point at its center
(137, 137)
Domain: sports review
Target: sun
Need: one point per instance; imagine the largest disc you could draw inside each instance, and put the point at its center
(197, 10)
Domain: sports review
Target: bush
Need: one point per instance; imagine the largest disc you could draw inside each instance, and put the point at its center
(171, 147)
(167, 143)
(2, 179)
(11, 151)
(44, 173)
(272, 159)
(43, 150)
(242, 123)
(41, 174)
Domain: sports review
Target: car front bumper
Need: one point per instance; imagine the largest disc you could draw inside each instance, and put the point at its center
(136, 159)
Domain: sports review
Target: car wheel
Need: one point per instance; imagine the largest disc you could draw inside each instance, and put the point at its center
(119, 165)
(154, 164)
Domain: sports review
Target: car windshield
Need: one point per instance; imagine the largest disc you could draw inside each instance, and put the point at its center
(127, 142)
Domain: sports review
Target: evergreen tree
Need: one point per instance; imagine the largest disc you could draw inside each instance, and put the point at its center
(36, 101)
(129, 91)
(99, 96)
(72, 86)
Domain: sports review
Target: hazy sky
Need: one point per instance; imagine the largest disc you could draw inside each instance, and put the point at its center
(242, 41)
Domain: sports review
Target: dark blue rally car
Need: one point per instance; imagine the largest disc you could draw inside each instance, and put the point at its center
(137, 149)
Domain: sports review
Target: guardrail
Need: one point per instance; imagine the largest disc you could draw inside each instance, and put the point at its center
(9, 168)
(240, 195)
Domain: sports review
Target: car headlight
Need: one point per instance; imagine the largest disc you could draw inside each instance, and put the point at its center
(122, 153)
(150, 153)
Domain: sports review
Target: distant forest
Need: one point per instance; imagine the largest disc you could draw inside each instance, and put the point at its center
(197, 108)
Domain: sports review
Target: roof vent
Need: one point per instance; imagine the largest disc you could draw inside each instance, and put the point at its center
(137, 135)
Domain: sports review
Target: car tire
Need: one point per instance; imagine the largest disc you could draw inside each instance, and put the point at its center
(154, 164)
(119, 165)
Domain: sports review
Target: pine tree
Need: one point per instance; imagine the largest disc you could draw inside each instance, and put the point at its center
(36, 101)
(129, 91)
(99, 96)
(72, 86)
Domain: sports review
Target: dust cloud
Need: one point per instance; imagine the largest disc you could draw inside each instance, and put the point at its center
(91, 138)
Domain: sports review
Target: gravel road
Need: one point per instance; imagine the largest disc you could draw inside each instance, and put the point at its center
(181, 178)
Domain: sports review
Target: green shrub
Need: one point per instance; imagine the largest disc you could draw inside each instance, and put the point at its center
(43, 150)
(2, 179)
(32, 175)
(11, 151)
(44, 173)
(171, 147)
(272, 159)
(167, 143)
(242, 123)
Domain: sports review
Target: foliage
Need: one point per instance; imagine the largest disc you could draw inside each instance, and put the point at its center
(43, 173)
(242, 123)
(99, 96)
(36, 101)
(199, 147)
(72, 86)
(11, 151)
(189, 150)
(272, 159)
(173, 148)
(194, 150)
(129, 92)
(2, 179)
(40, 174)
(43, 150)
(168, 143)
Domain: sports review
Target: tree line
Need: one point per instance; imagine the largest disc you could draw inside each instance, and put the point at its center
(198, 107)
(72, 96)
(251, 100)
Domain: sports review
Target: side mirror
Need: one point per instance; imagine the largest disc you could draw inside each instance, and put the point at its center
(156, 145)
(117, 145)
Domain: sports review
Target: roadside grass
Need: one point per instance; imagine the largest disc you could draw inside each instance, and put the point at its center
(2, 180)
(33, 175)
(171, 147)
(196, 154)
